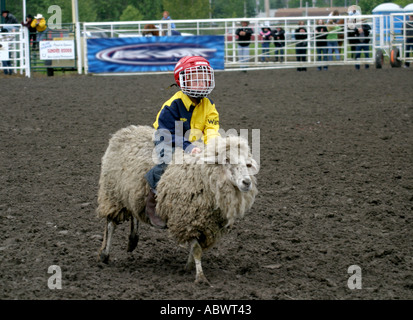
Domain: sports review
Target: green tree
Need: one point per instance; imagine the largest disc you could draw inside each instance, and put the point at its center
(234, 9)
(86, 8)
(151, 9)
(109, 10)
(368, 5)
(187, 9)
(131, 14)
(403, 3)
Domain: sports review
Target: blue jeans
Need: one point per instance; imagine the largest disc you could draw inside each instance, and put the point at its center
(7, 63)
(333, 46)
(243, 53)
(265, 50)
(42, 35)
(322, 55)
(165, 157)
(409, 47)
(301, 52)
(279, 49)
(359, 49)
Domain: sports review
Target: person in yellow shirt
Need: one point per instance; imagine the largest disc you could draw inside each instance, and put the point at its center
(189, 115)
(39, 22)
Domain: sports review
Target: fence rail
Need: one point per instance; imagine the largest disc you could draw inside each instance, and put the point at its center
(388, 33)
(14, 53)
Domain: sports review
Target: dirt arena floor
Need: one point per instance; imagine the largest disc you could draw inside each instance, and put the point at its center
(335, 188)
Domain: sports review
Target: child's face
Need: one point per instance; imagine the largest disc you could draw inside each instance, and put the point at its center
(198, 80)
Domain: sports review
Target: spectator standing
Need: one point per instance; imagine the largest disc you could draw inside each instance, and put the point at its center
(266, 35)
(174, 32)
(321, 43)
(408, 39)
(332, 40)
(166, 16)
(32, 31)
(39, 23)
(333, 14)
(352, 42)
(301, 46)
(279, 43)
(244, 37)
(9, 19)
(362, 34)
(4, 37)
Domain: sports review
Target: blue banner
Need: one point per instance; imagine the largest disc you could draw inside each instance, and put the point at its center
(148, 54)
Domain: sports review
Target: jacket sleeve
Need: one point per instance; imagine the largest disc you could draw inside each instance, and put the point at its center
(211, 124)
(42, 23)
(166, 121)
(366, 29)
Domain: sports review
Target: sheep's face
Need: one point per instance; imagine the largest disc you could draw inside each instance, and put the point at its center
(235, 157)
(240, 173)
(238, 163)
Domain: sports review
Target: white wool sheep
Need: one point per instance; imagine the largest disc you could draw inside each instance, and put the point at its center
(198, 199)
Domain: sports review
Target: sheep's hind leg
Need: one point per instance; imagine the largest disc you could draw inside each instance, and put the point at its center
(196, 253)
(190, 263)
(107, 241)
(134, 235)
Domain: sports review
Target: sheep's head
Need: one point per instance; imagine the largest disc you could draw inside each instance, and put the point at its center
(234, 155)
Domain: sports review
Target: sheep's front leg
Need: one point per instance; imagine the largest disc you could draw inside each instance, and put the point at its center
(133, 236)
(107, 241)
(195, 256)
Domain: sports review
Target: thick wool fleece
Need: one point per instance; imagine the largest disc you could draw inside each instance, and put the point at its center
(194, 198)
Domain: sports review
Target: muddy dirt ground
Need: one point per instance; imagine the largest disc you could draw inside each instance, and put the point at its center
(335, 188)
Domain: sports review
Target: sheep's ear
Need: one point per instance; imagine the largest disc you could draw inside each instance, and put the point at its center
(253, 167)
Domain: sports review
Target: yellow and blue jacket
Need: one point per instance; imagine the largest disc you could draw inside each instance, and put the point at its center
(41, 26)
(200, 121)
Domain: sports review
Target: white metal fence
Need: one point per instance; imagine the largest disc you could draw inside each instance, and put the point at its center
(283, 56)
(400, 35)
(387, 38)
(14, 49)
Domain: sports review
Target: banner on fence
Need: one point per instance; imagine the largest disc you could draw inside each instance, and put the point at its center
(57, 50)
(146, 54)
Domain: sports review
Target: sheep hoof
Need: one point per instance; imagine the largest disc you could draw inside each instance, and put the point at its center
(201, 279)
(133, 242)
(104, 257)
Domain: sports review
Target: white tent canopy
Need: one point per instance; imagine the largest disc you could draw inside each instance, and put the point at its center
(387, 7)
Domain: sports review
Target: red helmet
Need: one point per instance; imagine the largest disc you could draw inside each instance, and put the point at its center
(195, 76)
